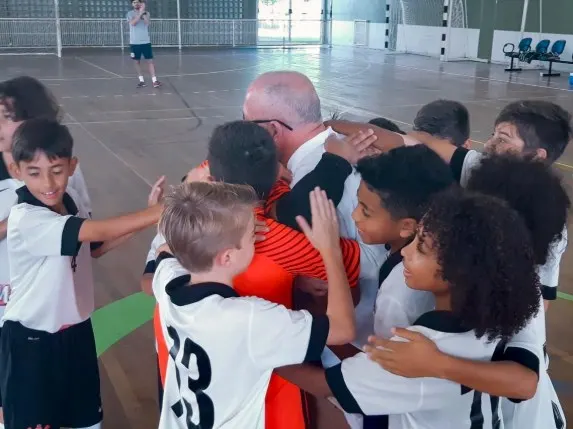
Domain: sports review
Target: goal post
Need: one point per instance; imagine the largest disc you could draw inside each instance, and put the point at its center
(30, 28)
(434, 28)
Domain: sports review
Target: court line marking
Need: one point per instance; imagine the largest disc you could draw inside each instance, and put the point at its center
(127, 121)
(50, 79)
(98, 67)
(564, 295)
(123, 161)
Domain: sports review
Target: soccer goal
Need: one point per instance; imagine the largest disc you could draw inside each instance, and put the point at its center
(435, 28)
(30, 27)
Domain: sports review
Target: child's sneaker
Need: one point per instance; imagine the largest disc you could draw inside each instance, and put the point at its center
(141, 85)
(156, 84)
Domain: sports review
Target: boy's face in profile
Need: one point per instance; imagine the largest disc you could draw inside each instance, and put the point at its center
(136, 4)
(505, 139)
(46, 179)
(373, 222)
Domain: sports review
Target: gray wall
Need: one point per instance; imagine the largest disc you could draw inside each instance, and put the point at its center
(349, 10)
(557, 15)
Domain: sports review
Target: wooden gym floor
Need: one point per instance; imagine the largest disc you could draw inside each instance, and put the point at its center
(127, 137)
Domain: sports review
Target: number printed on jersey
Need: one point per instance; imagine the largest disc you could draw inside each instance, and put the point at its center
(193, 375)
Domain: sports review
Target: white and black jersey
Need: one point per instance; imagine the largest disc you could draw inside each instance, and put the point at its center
(397, 305)
(360, 385)
(462, 164)
(527, 347)
(156, 243)
(50, 270)
(223, 349)
(8, 199)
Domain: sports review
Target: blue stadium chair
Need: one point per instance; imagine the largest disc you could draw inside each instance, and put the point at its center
(556, 51)
(523, 47)
(541, 49)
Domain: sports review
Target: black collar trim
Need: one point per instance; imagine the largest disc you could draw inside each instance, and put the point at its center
(25, 196)
(181, 293)
(441, 321)
(388, 265)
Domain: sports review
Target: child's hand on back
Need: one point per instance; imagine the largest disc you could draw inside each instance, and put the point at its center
(156, 193)
(324, 233)
(353, 147)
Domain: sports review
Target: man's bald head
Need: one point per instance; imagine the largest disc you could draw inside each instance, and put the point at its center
(284, 95)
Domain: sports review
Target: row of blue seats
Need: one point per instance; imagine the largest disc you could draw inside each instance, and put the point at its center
(541, 52)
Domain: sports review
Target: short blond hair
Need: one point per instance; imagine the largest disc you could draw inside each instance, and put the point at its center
(201, 219)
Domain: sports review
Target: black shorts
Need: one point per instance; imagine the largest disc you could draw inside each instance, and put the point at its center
(47, 379)
(137, 51)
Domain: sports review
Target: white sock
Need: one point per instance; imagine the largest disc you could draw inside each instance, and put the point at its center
(153, 79)
(141, 79)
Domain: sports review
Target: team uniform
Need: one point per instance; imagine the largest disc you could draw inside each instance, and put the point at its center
(206, 385)
(360, 385)
(301, 163)
(528, 346)
(47, 338)
(284, 254)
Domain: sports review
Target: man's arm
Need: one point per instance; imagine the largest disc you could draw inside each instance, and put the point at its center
(145, 17)
(419, 357)
(135, 18)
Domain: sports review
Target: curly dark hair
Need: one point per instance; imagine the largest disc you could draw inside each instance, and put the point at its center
(533, 189)
(27, 98)
(485, 254)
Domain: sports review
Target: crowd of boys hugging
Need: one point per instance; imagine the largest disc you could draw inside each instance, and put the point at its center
(403, 276)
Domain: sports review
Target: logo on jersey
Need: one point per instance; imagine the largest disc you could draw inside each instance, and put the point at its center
(5, 292)
(183, 408)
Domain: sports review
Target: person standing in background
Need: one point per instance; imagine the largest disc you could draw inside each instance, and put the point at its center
(140, 42)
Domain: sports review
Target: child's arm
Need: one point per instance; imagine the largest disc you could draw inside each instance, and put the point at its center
(385, 141)
(514, 377)
(101, 248)
(3, 229)
(324, 236)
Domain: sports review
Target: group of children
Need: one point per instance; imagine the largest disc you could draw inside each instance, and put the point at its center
(465, 269)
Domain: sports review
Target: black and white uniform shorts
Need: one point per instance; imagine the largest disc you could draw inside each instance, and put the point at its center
(49, 379)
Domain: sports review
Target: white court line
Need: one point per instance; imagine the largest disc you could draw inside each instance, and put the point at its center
(127, 121)
(119, 158)
(179, 109)
(50, 79)
(98, 67)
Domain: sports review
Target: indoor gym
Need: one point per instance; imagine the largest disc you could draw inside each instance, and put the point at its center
(126, 137)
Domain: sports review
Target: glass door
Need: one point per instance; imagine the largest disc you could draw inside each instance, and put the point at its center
(290, 21)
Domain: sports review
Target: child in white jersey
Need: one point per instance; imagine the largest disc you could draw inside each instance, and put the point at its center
(47, 338)
(474, 291)
(223, 347)
(530, 187)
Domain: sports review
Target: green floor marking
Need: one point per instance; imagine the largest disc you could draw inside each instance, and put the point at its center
(118, 319)
(564, 295)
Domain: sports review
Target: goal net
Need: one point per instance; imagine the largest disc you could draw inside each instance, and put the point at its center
(29, 27)
(434, 28)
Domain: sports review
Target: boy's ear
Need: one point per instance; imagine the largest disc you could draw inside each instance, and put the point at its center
(14, 170)
(467, 144)
(541, 154)
(408, 227)
(73, 165)
(224, 258)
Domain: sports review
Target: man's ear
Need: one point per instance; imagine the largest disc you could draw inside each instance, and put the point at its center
(408, 227)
